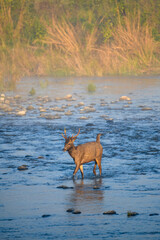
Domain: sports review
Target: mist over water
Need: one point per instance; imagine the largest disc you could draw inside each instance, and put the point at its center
(130, 162)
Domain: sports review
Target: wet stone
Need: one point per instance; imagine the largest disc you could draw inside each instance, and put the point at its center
(51, 117)
(95, 187)
(64, 187)
(154, 214)
(68, 113)
(132, 214)
(30, 107)
(57, 109)
(21, 113)
(112, 212)
(146, 108)
(46, 215)
(84, 118)
(89, 124)
(22, 168)
(70, 210)
(124, 98)
(76, 212)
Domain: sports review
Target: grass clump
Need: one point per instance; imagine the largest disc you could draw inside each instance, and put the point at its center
(91, 87)
(32, 92)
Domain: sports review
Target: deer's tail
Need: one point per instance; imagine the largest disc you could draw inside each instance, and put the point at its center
(98, 137)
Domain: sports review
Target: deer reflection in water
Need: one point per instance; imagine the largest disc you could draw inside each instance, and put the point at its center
(86, 194)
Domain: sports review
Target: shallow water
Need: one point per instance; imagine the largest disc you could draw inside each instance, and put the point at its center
(130, 162)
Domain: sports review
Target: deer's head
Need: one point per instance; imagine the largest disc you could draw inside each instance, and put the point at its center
(69, 141)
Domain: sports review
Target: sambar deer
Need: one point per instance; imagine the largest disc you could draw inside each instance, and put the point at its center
(84, 153)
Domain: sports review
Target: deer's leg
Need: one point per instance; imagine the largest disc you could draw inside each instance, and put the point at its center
(76, 169)
(94, 169)
(81, 169)
(99, 165)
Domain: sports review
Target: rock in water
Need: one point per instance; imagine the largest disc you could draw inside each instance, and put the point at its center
(76, 212)
(112, 212)
(46, 215)
(70, 210)
(154, 214)
(125, 98)
(22, 168)
(64, 187)
(132, 214)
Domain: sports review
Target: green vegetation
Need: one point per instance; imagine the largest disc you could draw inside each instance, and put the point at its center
(78, 38)
(32, 92)
(91, 87)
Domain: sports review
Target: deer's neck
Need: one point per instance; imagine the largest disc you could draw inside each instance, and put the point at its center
(72, 151)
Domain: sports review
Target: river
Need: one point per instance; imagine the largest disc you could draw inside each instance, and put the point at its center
(32, 206)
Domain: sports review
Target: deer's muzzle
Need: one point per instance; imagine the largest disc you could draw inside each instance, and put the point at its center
(64, 149)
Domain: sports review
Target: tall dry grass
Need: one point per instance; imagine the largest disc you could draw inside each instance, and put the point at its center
(70, 50)
(133, 50)
(74, 52)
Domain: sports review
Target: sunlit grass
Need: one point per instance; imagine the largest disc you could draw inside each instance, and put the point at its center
(132, 51)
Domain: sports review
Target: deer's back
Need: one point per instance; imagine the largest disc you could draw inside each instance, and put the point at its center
(89, 151)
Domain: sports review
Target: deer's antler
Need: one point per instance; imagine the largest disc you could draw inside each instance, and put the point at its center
(65, 137)
(77, 134)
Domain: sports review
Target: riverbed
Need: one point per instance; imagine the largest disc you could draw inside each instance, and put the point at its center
(34, 201)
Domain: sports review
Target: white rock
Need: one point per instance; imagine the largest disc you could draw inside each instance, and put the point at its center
(68, 113)
(21, 113)
(124, 98)
(42, 110)
(83, 118)
(68, 96)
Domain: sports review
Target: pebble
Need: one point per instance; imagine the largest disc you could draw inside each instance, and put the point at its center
(46, 215)
(17, 97)
(68, 113)
(87, 110)
(58, 98)
(109, 119)
(57, 109)
(124, 98)
(131, 214)
(95, 187)
(51, 117)
(112, 212)
(76, 212)
(146, 108)
(81, 104)
(64, 187)
(42, 110)
(154, 214)
(83, 118)
(68, 96)
(112, 102)
(21, 113)
(22, 168)
(70, 210)
(2, 99)
(30, 107)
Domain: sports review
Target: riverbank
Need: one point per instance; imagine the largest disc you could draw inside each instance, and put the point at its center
(72, 45)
